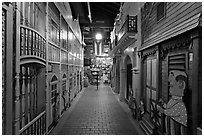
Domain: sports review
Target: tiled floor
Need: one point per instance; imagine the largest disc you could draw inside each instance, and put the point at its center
(96, 112)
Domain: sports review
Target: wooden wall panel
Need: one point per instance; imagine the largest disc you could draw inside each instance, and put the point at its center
(56, 68)
(41, 96)
(41, 18)
(176, 14)
(64, 69)
(54, 12)
(144, 79)
(164, 81)
(176, 18)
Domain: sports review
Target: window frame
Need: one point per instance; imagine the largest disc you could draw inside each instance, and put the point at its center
(164, 9)
(55, 33)
(53, 91)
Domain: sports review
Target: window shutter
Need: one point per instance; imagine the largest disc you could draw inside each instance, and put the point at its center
(177, 62)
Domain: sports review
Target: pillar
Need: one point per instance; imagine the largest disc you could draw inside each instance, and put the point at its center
(47, 71)
(117, 73)
(7, 71)
(123, 79)
(197, 90)
(60, 71)
(17, 75)
(136, 84)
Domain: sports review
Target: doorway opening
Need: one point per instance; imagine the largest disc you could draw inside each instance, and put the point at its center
(129, 77)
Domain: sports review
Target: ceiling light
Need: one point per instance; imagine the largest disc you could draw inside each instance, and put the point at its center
(98, 36)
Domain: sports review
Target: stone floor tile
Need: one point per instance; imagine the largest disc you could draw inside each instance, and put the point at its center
(99, 113)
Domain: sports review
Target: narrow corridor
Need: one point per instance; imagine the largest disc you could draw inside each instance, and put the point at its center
(149, 52)
(96, 112)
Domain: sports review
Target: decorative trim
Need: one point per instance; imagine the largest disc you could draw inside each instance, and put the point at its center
(147, 54)
(164, 51)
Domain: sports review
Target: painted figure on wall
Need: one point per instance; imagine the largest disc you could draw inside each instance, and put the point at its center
(175, 108)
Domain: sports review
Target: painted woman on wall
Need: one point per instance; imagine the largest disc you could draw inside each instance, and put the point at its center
(175, 108)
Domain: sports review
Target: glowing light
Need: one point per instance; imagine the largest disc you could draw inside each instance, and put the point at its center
(70, 36)
(98, 36)
(64, 35)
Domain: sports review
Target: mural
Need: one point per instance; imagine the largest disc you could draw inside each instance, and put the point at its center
(175, 107)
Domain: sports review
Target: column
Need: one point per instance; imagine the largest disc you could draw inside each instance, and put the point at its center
(23, 90)
(113, 76)
(8, 72)
(138, 79)
(197, 90)
(117, 73)
(47, 70)
(60, 69)
(123, 83)
(29, 92)
(136, 84)
(17, 75)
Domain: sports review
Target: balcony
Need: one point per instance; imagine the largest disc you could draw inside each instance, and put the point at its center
(32, 46)
(127, 34)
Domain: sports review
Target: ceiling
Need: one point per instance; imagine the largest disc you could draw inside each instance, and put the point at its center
(95, 17)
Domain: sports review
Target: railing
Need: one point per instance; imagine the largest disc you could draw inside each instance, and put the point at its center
(32, 43)
(165, 124)
(36, 127)
(130, 25)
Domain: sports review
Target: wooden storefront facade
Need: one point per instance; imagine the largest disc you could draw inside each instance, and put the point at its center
(171, 40)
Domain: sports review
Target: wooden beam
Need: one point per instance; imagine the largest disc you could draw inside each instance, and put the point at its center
(197, 51)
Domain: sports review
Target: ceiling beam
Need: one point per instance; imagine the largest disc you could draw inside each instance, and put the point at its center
(102, 8)
(76, 7)
(111, 6)
(89, 10)
(98, 25)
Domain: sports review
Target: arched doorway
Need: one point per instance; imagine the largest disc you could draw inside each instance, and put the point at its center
(64, 93)
(129, 76)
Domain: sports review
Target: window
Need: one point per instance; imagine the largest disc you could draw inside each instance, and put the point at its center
(53, 89)
(161, 11)
(64, 38)
(64, 33)
(64, 83)
(177, 62)
(54, 32)
(53, 92)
